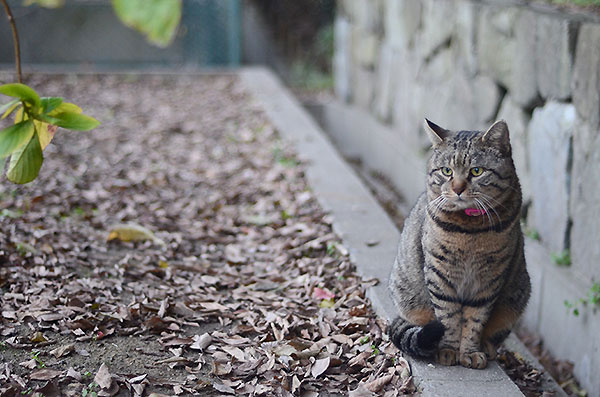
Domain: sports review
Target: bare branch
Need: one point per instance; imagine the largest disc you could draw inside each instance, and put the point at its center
(13, 26)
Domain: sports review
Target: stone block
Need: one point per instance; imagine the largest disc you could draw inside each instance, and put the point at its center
(401, 21)
(517, 121)
(366, 15)
(341, 58)
(437, 27)
(496, 43)
(523, 81)
(365, 47)
(464, 45)
(386, 81)
(554, 56)
(550, 132)
(585, 250)
(486, 97)
(586, 74)
(570, 337)
(363, 87)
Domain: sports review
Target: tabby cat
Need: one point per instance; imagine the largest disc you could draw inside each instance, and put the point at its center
(459, 280)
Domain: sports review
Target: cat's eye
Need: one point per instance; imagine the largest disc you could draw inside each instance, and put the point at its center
(447, 171)
(476, 171)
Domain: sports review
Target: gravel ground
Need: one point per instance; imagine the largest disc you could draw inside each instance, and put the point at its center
(177, 250)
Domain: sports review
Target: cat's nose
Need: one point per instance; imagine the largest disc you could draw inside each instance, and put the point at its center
(458, 187)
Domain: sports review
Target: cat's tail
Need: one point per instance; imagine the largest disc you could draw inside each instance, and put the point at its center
(415, 340)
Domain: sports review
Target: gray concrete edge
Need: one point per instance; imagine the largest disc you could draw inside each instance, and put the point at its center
(361, 222)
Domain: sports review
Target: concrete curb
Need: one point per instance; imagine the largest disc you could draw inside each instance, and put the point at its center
(361, 222)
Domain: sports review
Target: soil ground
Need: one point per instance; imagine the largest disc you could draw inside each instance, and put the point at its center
(177, 250)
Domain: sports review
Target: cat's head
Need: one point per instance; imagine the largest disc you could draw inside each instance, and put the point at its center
(470, 169)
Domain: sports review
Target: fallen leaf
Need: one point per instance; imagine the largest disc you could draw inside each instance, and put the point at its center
(361, 391)
(223, 388)
(137, 379)
(31, 364)
(132, 232)
(201, 342)
(322, 293)
(103, 377)
(378, 384)
(45, 374)
(320, 366)
(38, 337)
(63, 350)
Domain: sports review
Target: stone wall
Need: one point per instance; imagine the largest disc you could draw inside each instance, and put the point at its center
(464, 64)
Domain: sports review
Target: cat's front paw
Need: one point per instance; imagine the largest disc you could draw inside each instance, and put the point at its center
(476, 360)
(447, 356)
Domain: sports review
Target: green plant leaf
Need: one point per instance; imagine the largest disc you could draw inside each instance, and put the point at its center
(50, 103)
(25, 163)
(65, 107)
(23, 92)
(45, 3)
(14, 137)
(9, 107)
(74, 121)
(157, 19)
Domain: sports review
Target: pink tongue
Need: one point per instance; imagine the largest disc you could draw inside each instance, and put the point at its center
(474, 212)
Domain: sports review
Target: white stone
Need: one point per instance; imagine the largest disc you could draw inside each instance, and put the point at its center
(496, 44)
(553, 57)
(586, 74)
(401, 21)
(365, 47)
(550, 132)
(464, 39)
(437, 26)
(523, 81)
(341, 58)
(517, 121)
(585, 201)
(386, 81)
(363, 87)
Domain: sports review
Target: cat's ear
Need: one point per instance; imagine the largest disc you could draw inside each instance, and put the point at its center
(498, 135)
(435, 133)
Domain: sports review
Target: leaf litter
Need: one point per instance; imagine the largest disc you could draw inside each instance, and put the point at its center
(220, 274)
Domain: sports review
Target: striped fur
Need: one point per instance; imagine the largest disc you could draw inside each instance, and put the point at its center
(460, 282)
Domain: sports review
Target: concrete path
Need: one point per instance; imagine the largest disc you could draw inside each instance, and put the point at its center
(367, 232)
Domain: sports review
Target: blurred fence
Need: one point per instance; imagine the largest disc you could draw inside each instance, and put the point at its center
(88, 33)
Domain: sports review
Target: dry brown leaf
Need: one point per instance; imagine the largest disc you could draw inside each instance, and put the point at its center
(361, 391)
(320, 366)
(360, 359)
(63, 350)
(31, 364)
(38, 337)
(103, 377)
(378, 384)
(201, 342)
(45, 374)
(235, 352)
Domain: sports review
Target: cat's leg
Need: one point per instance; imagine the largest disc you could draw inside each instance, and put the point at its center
(506, 312)
(449, 314)
(471, 354)
(498, 327)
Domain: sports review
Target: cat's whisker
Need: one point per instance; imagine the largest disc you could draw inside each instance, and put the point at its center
(435, 204)
(485, 210)
(490, 199)
(486, 199)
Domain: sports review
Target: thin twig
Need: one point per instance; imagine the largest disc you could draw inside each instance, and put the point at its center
(13, 26)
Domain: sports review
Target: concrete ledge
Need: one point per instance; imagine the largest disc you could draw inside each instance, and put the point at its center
(359, 220)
